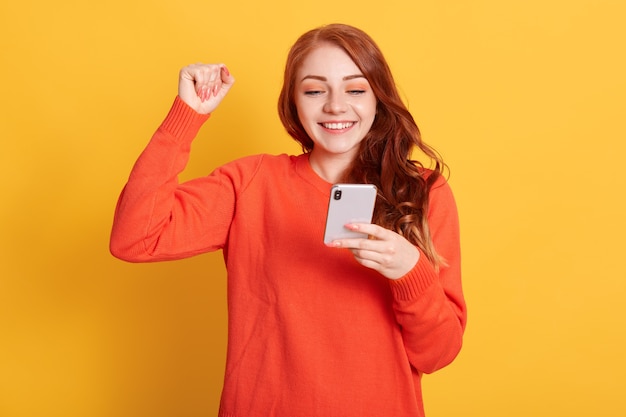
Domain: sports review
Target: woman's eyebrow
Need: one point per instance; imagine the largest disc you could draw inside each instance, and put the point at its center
(321, 78)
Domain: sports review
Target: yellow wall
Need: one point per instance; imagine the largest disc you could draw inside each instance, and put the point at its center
(525, 100)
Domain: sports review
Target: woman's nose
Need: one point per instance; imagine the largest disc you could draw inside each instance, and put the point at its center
(336, 103)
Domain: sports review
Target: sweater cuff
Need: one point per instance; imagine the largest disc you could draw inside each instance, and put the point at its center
(415, 282)
(182, 120)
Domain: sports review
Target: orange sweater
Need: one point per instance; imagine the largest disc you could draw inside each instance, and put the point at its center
(311, 331)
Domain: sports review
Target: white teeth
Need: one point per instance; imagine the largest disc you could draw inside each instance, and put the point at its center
(337, 126)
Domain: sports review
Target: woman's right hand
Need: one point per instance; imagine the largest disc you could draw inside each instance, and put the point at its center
(203, 86)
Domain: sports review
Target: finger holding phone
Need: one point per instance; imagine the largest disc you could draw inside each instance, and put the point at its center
(388, 252)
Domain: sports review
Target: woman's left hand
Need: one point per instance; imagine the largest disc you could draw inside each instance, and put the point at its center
(386, 251)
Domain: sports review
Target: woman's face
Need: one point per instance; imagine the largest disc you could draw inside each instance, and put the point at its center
(336, 104)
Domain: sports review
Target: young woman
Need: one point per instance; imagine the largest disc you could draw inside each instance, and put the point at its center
(345, 329)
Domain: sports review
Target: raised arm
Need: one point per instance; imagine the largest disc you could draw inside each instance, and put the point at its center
(157, 218)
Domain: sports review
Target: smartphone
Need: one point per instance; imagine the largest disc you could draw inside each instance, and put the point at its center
(349, 203)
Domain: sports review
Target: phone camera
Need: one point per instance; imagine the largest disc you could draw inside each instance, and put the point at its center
(337, 195)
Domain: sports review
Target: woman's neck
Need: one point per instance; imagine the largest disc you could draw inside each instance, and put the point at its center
(330, 169)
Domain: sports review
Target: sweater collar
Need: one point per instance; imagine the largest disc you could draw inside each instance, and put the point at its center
(304, 169)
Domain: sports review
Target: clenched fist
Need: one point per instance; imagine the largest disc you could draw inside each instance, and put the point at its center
(204, 86)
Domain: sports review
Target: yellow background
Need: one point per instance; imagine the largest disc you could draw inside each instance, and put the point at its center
(525, 100)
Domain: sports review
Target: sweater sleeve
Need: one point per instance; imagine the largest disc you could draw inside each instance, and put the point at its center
(429, 305)
(156, 218)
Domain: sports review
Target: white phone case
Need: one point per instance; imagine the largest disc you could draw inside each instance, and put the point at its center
(349, 203)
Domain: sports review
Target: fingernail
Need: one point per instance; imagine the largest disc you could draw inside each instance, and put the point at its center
(226, 71)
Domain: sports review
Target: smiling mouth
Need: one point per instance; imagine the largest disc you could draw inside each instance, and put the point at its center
(337, 126)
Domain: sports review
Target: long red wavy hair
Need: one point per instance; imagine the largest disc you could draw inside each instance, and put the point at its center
(385, 153)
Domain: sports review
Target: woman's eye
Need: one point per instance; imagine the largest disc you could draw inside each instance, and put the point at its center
(313, 92)
(356, 92)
